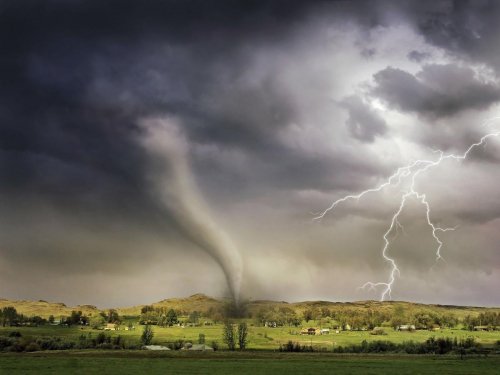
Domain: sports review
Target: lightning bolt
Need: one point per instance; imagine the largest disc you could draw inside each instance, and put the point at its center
(411, 171)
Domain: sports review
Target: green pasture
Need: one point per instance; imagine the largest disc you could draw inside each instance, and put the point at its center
(141, 362)
(258, 338)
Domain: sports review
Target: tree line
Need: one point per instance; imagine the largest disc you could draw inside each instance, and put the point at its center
(10, 317)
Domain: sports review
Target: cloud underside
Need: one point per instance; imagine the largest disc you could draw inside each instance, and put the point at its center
(284, 106)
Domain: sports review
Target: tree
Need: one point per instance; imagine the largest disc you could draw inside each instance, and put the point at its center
(74, 318)
(242, 335)
(194, 317)
(147, 335)
(229, 335)
(146, 309)
(113, 316)
(201, 338)
(398, 317)
(9, 315)
(308, 315)
(424, 320)
(51, 319)
(171, 317)
(97, 321)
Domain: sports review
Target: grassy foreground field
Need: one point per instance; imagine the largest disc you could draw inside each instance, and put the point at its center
(140, 362)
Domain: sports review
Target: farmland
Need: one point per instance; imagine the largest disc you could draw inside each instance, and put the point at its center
(260, 338)
(200, 316)
(209, 315)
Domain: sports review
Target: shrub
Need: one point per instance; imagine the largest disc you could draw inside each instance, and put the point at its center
(215, 345)
(5, 343)
(32, 347)
(291, 346)
(378, 331)
(176, 345)
(147, 335)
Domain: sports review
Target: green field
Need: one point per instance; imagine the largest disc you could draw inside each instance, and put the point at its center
(140, 362)
(259, 337)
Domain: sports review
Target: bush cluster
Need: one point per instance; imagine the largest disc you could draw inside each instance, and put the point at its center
(14, 342)
(430, 346)
(291, 346)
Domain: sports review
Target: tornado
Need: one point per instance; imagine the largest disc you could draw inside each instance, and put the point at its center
(173, 184)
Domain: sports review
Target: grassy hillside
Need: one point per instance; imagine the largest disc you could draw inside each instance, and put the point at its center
(196, 302)
(45, 309)
(203, 303)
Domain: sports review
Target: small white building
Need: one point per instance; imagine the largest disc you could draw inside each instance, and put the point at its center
(155, 347)
(406, 327)
(111, 327)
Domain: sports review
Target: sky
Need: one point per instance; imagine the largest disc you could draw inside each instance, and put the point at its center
(158, 149)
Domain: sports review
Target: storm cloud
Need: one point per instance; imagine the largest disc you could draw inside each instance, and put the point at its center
(363, 122)
(435, 91)
(283, 107)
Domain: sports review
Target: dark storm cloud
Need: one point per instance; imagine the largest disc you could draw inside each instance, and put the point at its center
(77, 77)
(363, 123)
(436, 91)
(246, 81)
(464, 28)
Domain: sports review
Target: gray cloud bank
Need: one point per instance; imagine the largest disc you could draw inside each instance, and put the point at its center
(435, 91)
(284, 106)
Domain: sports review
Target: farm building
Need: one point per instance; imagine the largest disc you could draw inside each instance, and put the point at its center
(111, 327)
(406, 327)
(309, 331)
(483, 328)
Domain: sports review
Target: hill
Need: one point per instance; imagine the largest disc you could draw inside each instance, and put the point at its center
(45, 309)
(203, 303)
(196, 302)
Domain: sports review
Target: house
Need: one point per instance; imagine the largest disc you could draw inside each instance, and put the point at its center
(481, 328)
(270, 324)
(310, 331)
(111, 327)
(406, 327)
(325, 331)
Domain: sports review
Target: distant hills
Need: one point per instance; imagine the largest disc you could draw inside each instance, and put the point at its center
(45, 309)
(203, 303)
